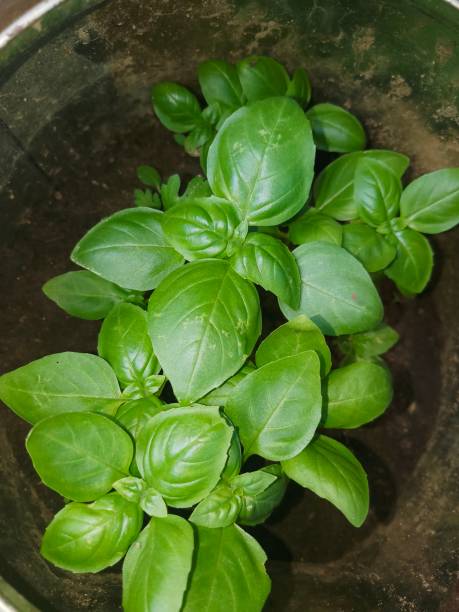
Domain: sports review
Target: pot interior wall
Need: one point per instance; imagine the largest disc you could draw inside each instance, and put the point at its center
(75, 121)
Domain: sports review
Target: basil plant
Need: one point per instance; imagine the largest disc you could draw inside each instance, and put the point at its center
(147, 441)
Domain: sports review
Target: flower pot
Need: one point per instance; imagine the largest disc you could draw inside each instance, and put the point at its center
(76, 120)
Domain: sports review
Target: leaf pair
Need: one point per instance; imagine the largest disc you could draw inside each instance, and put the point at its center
(176, 568)
(246, 498)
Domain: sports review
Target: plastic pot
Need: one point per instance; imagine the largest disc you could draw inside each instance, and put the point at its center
(75, 120)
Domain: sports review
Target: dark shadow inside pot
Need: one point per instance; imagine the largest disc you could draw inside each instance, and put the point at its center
(75, 121)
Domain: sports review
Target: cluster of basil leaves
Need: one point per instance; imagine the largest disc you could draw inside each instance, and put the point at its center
(104, 439)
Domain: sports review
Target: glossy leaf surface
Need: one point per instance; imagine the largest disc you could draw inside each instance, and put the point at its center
(129, 248)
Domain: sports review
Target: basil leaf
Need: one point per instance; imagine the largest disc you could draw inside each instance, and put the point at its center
(337, 292)
(124, 342)
(152, 503)
(412, 266)
(139, 389)
(377, 192)
(87, 296)
(299, 87)
(232, 561)
(262, 77)
(201, 228)
(313, 226)
(221, 395)
(430, 204)
(258, 507)
(156, 568)
(176, 107)
(334, 188)
(268, 262)
(277, 408)
(356, 394)
(234, 461)
(335, 129)
(204, 321)
(371, 343)
(219, 509)
(182, 452)
(331, 471)
(197, 187)
(149, 176)
(198, 137)
(295, 337)
(262, 160)
(128, 248)
(94, 450)
(130, 488)
(220, 83)
(134, 415)
(64, 382)
(90, 538)
(252, 483)
(369, 247)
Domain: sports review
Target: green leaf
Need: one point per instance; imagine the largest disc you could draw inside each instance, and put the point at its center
(371, 343)
(130, 488)
(128, 248)
(170, 192)
(219, 509)
(331, 471)
(268, 262)
(134, 415)
(64, 382)
(124, 342)
(334, 188)
(197, 138)
(201, 228)
(221, 395)
(313, 226)
(257, 507)
(430, 204)
(149, 176)
(90, 538)
(176, 107)
(197, 187)
(139, 389)
(87, 296)
(220, 83)
(152, 503)
(412, 266)
(228, 573)
(252, 483)
(294, 337)
(262, 77)
(337, 292)
(356, 394)
(80, 455)
(234, 461)
(182, 452)
(262, 160)
(146, 199)
(204, 321)
(376, 191)
(156, 568)
(370, 248)
(299, 87)
(336, 129)
(277, 408)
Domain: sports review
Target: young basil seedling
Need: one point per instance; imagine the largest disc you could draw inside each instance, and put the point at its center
(160, 423)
